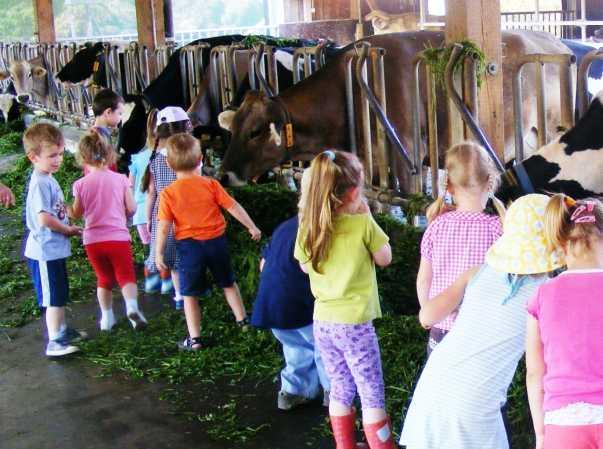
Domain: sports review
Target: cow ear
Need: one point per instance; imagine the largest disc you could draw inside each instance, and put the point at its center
(4, 75)
(38, 72)
(225, 119)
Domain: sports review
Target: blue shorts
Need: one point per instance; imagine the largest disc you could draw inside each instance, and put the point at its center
(195, 257)
(50, 281)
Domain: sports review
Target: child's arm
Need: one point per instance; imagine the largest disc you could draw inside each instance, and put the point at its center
(424, 277)
(535, 370)
(56, 225)
(151, 196)
(163, 228)
(383, 256)
(441, 306)
(240, 214)
(7, 198)
(130, 203)
(76, 210)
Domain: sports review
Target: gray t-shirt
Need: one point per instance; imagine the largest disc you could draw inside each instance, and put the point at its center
(45, 195)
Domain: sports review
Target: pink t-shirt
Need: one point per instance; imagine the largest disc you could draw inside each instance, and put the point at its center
(453, 243)
(102, 194)
(569, 310)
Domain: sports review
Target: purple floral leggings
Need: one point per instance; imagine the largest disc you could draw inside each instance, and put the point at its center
(350, 353)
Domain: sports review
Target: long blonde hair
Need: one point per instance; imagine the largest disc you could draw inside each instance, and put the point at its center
(333, 173)
(564, 228)
(467, 165)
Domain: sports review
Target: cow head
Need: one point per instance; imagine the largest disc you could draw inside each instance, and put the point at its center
(85, 67)
(25, 75)
(256, 144)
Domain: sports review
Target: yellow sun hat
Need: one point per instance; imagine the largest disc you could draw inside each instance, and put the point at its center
(522, 249)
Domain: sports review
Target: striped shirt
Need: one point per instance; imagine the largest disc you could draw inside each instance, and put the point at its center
(453, 243)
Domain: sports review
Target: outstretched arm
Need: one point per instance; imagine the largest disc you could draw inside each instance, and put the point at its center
(241, 215)
(441, 306)
(535, 370)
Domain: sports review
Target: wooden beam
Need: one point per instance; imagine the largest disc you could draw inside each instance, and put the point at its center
(479, 21)
(151, 27)
(44, 21)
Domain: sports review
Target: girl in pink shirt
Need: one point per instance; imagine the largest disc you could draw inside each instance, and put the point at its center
(458, 235)
(104, 199)
(564, 352)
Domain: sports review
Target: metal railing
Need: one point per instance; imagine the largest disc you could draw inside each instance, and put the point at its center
(582, 84)
(307, 60)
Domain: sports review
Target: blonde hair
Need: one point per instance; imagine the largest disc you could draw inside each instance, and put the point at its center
(467, 165)
(41, 135)
(151, 125)
(333, 173)
(183, 152)
(562, 232)
(94, 150)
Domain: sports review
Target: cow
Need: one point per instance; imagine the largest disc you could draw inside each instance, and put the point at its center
(87, 67)
(572, 163)
(30, 80)
(8, 103)
(316, 107)
(385, 23)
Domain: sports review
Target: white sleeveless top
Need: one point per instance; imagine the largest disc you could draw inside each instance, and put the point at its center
(457, 401)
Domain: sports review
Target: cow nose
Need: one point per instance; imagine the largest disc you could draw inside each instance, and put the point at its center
(23, 98)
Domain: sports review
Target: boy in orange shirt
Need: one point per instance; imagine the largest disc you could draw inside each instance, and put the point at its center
(192, 205)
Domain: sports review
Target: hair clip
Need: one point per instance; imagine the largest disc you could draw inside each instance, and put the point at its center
(330, 154)
(584, 213)
(569, 201)
(98, 157)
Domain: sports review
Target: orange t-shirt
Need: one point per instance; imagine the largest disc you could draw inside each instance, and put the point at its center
(193, 205)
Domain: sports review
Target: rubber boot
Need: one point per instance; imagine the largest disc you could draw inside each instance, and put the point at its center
(379, 434)
(344, 432)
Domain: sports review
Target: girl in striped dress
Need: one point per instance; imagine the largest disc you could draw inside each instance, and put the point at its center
(458, 235)
(169, 121)
(457, 401)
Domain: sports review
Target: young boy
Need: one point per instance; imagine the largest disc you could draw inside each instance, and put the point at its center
(47, 246)
(108, 109)
(192, 205)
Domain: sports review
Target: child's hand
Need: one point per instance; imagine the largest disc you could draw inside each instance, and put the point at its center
(73, 230)
(160, 263)
(7, 198)
(255, 233)
(148, 225)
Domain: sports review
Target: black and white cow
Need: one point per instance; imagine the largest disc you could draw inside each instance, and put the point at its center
(86, 67)
(572, 164)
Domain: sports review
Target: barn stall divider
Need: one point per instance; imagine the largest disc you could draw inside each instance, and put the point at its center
(582, 96)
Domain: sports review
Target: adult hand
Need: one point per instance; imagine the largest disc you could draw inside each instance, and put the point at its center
(6, 196)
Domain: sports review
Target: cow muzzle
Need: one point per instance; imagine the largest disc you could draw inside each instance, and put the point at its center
(23, 98)
(231, 179)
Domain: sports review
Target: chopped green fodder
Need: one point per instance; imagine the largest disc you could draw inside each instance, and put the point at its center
(437, 58)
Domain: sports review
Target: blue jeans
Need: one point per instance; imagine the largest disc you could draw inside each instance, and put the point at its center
(303, 371)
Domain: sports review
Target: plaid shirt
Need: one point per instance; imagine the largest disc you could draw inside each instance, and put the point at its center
(453, 243)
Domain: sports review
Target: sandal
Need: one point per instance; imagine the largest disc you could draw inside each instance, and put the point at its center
(190, 344)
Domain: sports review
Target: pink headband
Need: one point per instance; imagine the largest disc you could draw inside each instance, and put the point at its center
(584, 212)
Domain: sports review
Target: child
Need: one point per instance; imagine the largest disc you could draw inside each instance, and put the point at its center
(457, 401)
(104, 198)
(458, 236)
(47, 246)
(169, 121)
(108, 109)
(564, 356)
(338, 244)
(137, 168)
(285, 305)
(191, 204)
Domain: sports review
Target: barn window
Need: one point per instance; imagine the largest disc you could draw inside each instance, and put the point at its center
(16, 20)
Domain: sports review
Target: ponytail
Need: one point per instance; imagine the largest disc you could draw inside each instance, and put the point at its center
(151, 127)
(437, 208)
(146, 178)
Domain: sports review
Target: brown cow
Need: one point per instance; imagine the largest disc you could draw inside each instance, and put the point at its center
(316, 106)
(29, 80)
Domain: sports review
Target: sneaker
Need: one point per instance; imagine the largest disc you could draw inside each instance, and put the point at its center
(75, 336)
(179, 304)
(244, 324)
(152, 283)
(190, 344)
(137, 320)
(167, 286)
(60, 347)
(288, 401)
(326, 398)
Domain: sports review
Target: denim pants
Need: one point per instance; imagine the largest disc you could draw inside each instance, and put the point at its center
(303, 372)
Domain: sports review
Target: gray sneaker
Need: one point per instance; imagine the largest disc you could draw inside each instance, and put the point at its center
(75, 336)
(288, 401)
(58, 348)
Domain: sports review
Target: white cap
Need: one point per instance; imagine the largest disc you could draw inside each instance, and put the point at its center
(171, 114)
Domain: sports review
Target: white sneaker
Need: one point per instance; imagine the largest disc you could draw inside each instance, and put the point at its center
(58, 348)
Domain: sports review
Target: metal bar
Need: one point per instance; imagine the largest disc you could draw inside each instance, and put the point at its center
(518, 113)
(582, 87)
(214, 85)
(432, 125)
(259, 68)
(378, 111)
(270, 53)
(416, 121)
(383, 149)
(541, 105)
(465, 113)
(295, 64)
(365, 114)
(349, 91)
(566, 94)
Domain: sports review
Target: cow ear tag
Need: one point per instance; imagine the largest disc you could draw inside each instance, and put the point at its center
(95, 66)
(289, 135)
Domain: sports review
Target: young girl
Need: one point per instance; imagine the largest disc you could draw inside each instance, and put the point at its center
(338, 244)
(169, 121)
(458, 235)
(564, 356)
(457, 401)
(137, 168)
(105, 200)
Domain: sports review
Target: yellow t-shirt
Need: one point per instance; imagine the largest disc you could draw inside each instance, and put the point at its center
(346, 290)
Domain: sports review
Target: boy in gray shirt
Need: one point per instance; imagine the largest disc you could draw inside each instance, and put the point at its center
(47, 246)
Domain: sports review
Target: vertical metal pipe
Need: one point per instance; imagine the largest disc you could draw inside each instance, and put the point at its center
(432, 124)
(583, 19)
(378, 78)
(541, 105)
(349, 93)
(366, 127)
(416, 123)
(295, 63)
(566, 92)
(518, 113)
